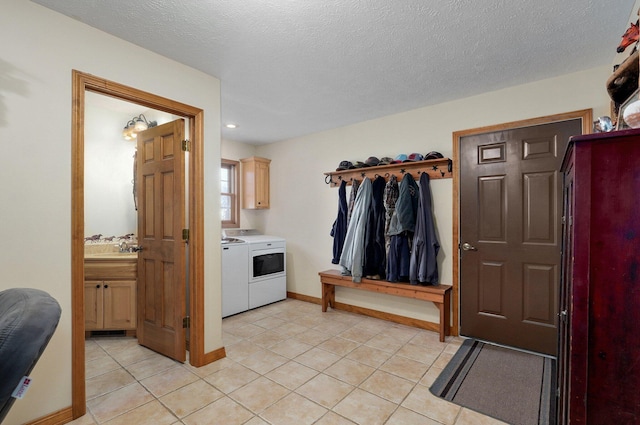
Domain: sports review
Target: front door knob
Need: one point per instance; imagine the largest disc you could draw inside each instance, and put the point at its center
(468, 247)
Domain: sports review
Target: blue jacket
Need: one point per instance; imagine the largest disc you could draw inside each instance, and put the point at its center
(339, 228)
(423, 267)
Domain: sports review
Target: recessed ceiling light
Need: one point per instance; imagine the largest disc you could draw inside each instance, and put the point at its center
(230, 125)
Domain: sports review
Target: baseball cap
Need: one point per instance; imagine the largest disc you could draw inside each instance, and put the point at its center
(414, 157)
(372, 161)
(400, 158)
(385, 160)
(344, 165)
(359, 164)
(433, 155)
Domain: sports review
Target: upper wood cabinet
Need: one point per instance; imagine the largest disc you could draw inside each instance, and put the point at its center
(255, 183)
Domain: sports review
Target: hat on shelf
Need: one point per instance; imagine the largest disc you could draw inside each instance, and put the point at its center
(345, 165)
(400, 158)
(372, 161)
(359, 164)
(414, 157)
(433, 155)
(385, 160)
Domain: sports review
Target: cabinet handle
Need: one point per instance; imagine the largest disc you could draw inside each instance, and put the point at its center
(106, 286)
(98, 286)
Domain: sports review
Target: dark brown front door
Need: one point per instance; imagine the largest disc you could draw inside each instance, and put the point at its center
(161, 217)
(510, 234)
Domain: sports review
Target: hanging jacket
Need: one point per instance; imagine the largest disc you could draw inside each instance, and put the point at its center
(404, 216)
(398, 258)
(352, 198)
(375, 252)
(352, 257)
(339, 228)
(390, 197)
(423, 268)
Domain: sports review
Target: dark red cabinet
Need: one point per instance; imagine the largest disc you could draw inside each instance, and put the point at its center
(599, 332)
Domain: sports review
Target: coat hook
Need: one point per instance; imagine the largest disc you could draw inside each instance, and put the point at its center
(402, 170)
(386, 175)
(435, 168)
(442, 173)
(328, 177)
(449, 165)
(362, 174)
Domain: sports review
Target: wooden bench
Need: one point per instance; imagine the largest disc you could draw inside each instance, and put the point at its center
(440, 295)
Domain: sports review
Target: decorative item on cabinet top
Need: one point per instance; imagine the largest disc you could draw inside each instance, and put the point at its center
(440, 168)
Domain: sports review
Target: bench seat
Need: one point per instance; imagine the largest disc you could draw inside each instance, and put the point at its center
(440, 295)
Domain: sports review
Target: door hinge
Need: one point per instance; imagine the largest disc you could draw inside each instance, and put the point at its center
(186, 322)
(186, 145)
(185, 235)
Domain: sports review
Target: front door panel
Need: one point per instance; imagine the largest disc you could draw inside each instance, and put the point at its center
(510, 217)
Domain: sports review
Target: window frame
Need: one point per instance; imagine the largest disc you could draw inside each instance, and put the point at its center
(234, 172)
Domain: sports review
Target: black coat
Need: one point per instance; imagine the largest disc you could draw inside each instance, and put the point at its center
(374, 245)
(339, 229)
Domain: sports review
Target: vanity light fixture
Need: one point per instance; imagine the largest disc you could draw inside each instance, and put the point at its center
(136, 125)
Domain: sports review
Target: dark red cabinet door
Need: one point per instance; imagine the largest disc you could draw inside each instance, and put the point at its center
(599, 350)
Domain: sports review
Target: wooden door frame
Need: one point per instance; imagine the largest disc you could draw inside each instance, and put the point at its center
(587, 122)
(82, 82)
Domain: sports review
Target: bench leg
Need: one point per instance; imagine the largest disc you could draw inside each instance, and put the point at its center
(328, 295)
(443, 314)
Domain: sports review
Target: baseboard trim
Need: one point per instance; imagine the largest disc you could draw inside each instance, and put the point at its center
(60, 417)
(395, 318)
(214, 355)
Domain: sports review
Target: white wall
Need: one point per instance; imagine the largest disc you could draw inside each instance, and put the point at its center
(303, 207)
(41, 49)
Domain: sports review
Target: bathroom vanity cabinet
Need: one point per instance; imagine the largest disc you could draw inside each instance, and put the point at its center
(110, 293)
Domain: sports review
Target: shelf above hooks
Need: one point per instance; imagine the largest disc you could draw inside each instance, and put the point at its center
(440, 168)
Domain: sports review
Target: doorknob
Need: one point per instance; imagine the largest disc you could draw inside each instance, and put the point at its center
(468, 247)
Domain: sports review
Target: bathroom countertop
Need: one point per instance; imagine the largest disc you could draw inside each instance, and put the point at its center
(114, 256)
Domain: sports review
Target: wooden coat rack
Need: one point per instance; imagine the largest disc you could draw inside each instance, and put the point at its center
(440, 168)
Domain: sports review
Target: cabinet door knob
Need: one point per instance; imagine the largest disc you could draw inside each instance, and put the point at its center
(98, 286)
(106, 286)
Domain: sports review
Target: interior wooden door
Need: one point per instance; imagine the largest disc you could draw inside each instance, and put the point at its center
(510, 234)
(161, 218)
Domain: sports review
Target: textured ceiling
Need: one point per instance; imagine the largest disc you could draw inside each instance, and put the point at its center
(295, 67)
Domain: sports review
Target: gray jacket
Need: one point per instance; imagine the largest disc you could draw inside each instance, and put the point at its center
(404, 216)
(423, 266)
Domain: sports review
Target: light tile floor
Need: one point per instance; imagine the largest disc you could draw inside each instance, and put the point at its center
(287, 364)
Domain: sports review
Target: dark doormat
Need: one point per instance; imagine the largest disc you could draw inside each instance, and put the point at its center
(509, 385)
